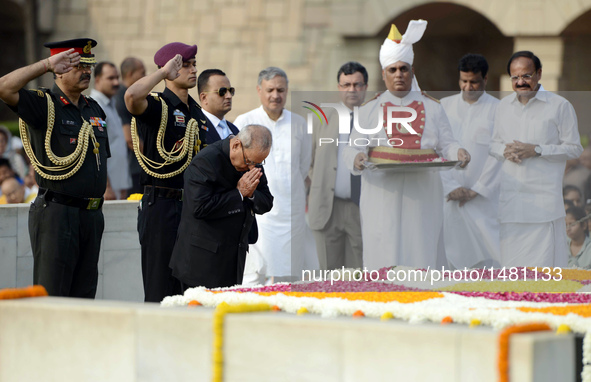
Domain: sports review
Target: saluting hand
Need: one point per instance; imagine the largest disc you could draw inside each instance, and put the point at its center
(63, 62)
(249, 182)
(172, 67)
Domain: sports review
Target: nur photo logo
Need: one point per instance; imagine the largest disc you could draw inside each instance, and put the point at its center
(345, 118)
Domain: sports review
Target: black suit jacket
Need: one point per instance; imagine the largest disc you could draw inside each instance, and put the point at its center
(213, 136)
(212, 238)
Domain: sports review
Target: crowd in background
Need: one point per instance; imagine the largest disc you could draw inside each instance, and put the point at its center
(17, 179)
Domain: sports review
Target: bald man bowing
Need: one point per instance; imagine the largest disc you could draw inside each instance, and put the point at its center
(224, 187)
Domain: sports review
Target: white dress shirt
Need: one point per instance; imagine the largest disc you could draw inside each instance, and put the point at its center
(531, 191)
(471, 232)
(472, 125)
(223, 131)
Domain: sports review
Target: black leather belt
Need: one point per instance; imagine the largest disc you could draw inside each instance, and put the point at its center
(163, 192)
(72, 201)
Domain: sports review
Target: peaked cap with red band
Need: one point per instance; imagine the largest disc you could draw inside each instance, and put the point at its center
(81, 45)
(168, 51)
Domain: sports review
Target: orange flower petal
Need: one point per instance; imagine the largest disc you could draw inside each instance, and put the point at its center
(358, 313)
(447, 320)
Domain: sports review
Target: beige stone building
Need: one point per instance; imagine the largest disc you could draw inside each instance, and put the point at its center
(310, 39)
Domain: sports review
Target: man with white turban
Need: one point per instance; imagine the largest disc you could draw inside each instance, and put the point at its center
(402, 212)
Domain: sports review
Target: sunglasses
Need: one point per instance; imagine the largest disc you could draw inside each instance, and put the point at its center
(222, 91)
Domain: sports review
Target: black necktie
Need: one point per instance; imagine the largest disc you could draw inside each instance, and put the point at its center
(355, 179)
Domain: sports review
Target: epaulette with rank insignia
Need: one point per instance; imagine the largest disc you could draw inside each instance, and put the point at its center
(374, 97)
(156, 95)
(430, 97)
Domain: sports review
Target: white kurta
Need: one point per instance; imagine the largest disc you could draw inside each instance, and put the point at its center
(471, 232)
(531, 192)
(283, 230)
(118, 163)
(402, 213)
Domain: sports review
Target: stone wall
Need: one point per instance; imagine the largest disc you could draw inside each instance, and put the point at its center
(120, 276)
(72, 340)
(310, 39)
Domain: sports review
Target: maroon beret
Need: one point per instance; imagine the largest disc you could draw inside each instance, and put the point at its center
(168, 51)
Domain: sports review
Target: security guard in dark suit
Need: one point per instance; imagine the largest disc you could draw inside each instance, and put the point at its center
(169, 123)
(64, 134)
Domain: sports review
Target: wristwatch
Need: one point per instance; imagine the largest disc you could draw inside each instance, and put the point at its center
(538, 150)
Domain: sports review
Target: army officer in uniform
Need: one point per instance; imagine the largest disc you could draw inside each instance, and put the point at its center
(65, 137)
(173, 128)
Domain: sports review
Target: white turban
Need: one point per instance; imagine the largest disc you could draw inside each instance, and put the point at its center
(399, 48)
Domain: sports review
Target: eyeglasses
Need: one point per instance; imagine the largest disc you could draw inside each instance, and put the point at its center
(356, 85)
(525, 77)
(85, 66)
(248, 162)
(222, 91)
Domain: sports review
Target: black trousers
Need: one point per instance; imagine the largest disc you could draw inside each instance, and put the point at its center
(136, 187)
(158, 223)
(66, 242)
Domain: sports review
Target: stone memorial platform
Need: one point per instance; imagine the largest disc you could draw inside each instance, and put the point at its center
(57, 339)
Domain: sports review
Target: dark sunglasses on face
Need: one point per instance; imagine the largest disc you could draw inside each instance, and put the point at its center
(222, 91)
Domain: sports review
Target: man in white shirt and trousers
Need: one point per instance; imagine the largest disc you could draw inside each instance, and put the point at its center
(535, 133)
(402, 213)
(470, 225)
(285, 246)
